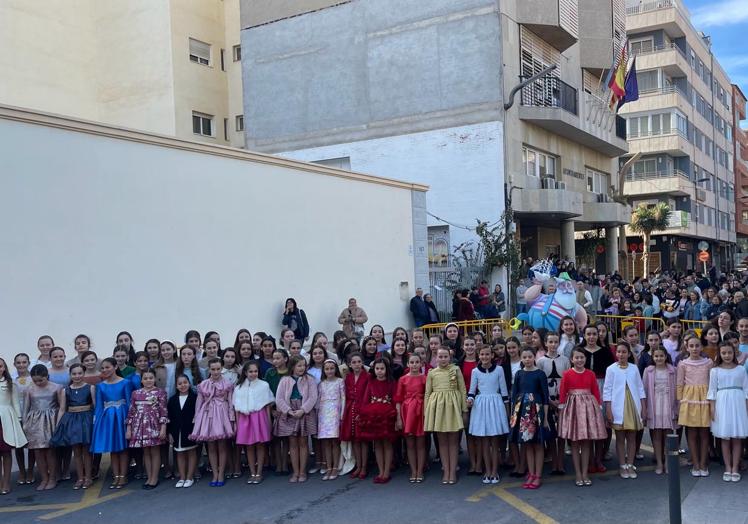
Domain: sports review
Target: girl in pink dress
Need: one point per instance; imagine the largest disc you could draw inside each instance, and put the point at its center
(146, 425)
(662, 407)
(252, 401)
(409, 404)
(214, 418)
(330, 406)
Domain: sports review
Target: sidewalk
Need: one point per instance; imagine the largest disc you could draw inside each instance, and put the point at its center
(710, 500)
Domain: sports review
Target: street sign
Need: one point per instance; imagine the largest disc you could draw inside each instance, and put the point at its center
(703, 256)
(703, 246)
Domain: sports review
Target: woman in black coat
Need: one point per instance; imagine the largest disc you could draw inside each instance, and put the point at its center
(295, 320)
(181, 410)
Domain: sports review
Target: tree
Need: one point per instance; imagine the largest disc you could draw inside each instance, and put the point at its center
(647, 219)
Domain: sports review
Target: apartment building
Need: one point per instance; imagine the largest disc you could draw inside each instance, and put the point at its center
(741, 176)
(417, 90)
(563, 141)
(165, 66)
(682, 128)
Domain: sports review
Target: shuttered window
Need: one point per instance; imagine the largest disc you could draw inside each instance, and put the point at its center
(199, 52)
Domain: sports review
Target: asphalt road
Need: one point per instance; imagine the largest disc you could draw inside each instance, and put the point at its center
(609, 499)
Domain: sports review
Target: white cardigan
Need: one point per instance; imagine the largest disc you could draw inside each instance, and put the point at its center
(614, 389)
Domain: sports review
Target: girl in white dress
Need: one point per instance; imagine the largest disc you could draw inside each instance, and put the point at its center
(728, 394)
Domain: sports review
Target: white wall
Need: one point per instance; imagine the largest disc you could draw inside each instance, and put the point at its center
(463, 167)
(104, 234)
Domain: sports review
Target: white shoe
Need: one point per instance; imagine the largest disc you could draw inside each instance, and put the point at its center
(704, 472)
(486, 480)
(188, 483)
(727, 477)
(695, 473)
(632, 472)
(735, 477)
(623, 471)
(179, 484)
(497, 479)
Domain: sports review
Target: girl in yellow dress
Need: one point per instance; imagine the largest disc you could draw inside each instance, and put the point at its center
(445, 403)
(691, 386)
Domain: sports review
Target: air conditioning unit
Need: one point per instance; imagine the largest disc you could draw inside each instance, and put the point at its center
(700, 195)
(549, 183)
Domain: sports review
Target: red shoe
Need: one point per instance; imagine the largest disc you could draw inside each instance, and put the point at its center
(527, 484)
(377, 480)
(353, 475)
(362, 475)
(601, 469)
(384, 480)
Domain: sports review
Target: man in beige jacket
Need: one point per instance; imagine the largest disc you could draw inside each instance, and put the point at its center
(353, 319)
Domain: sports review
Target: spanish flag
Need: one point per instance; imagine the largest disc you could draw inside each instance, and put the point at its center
(617, 82)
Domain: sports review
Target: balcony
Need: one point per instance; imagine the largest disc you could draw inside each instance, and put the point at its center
(596, 20)
(551, 202)
(552, 104)
(670, 58)
(555, 21)
(602, 211)
(673, 142)
(673, 181)
(670, 15)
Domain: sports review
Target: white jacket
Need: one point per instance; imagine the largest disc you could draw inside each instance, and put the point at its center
(614, 389)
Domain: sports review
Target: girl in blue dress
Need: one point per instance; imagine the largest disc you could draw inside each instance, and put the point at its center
(76, 425)
(529, 421)
(112, 402)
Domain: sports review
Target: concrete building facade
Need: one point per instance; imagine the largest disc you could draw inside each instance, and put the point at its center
(741, 176)
(420, 87)
(682, 128)
(110, 229)
(165, 66)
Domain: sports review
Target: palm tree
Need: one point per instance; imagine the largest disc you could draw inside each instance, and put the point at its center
(647, 219)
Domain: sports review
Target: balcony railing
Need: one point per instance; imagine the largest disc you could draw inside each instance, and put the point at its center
(665, 173)
(661, 132)
(550, 91)
(660, 49)
(651, 6)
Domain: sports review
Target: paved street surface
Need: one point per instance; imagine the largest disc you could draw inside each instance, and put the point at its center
(609, 499)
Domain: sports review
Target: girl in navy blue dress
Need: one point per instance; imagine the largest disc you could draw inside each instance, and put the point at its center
(112, 403)
(76, 425)
(529, 420)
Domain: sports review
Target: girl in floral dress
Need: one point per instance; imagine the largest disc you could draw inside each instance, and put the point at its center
(146, 425)
(529, 419)
(330, 407)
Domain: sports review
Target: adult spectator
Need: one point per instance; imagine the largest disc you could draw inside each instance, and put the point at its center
(741, 304)
(433, 313)
(584, 297)
(465, 309)
(520, 297)
(498, 300)
(419, 309)
(295, 320)
(353, 319)
(484, 299)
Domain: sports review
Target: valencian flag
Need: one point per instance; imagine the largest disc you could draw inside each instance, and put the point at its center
(631, 86)
(617, 83)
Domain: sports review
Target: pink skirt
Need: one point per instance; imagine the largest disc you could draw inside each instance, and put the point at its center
(253, 428)
(582, 418)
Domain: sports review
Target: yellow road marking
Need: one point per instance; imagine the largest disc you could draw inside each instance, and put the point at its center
(524, 507)
(39, 507)
(91, 497)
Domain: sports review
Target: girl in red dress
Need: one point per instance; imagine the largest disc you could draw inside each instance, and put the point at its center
(355, 387)
(468, 363)
(377, 417)
(409, 404)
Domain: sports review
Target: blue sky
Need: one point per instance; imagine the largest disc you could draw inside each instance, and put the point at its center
(726, 21)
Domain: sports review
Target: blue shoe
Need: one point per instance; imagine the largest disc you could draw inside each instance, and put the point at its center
(213, 484)
(220, 484)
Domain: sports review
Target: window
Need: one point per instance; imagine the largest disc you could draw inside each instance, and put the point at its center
(645, 45)
(744, 216)
(597, 181)
(223, 61)
(237, 52)
(240, 122)
(648, 80)
(538, 164)
(202, 124)
(199, 52)
(645, 167)
(226, 129)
